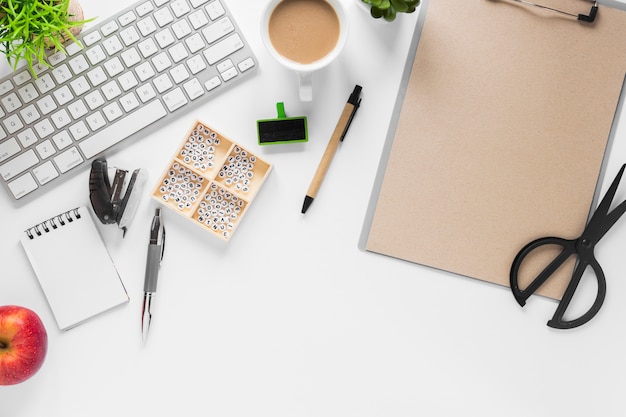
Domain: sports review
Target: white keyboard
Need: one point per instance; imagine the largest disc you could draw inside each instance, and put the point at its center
(135, 70)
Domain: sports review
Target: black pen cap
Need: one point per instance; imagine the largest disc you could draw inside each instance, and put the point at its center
(354, 97)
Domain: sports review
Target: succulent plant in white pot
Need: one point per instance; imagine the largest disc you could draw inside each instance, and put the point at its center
(389, 9)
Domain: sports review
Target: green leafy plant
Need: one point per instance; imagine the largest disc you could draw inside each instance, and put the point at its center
(388, 9)
(28, 28)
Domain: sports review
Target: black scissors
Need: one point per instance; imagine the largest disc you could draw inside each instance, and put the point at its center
(582, 248)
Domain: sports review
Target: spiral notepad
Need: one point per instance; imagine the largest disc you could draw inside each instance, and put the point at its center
(73, 267)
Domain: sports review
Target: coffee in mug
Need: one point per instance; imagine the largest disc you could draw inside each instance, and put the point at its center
(304, 35)
(304, 31)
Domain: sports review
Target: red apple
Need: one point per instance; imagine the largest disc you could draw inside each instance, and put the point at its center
(23, 344)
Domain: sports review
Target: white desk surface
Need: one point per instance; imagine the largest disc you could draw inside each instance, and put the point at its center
(290, 318)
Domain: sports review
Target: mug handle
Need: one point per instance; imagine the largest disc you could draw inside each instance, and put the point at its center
(306, 85)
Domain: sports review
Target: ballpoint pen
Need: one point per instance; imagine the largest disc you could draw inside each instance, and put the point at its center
(340, 132)
(156, 248)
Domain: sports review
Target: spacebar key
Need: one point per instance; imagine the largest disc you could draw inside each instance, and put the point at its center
(122, 129)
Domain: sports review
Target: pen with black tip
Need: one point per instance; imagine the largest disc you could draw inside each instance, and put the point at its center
(156, 248)
(340, 132)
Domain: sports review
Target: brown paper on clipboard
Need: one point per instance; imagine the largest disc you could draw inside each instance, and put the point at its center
(501, 135)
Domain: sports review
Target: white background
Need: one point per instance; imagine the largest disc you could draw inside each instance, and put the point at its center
(290, 318)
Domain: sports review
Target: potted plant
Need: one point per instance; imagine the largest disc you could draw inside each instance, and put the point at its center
(28, 28)
(388, 9)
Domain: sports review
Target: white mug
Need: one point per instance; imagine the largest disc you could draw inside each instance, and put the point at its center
(305, 71)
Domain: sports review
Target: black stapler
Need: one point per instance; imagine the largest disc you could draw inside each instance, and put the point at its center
(117, 202)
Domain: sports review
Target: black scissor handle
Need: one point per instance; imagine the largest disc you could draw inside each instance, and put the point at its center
(557, 320)
(569, 248)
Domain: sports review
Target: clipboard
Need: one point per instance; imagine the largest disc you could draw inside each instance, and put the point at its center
(501, 135)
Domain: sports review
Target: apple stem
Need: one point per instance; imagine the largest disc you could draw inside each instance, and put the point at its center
(3, 345)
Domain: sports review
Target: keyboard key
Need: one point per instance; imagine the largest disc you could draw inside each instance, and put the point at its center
(45, 172)
(218, 30)
(146, 93)
(44, 83)
(63, 95)
(28, 93)
(175, 99)
(79, 130)
(195, 43)
(12, 123)
(112, 45)
(22, 77)
(5, 87)
(111, 90)
(223, 48)
(129, 102)
(80, 85)
(18, 164)
(129, 35)
(198, 19)
(196, 64)
(193, 88)
(144, 8)
(30, 114)
(148, 48)
(127, 81)
(27, 137)
(246, 64)
(178, 52)
(45, 149)
(11, 102)
(46, 105)
(91, 38)
(97, 76)
(165, 38)
(179, 74)
(61, 74)
(77, 109)
(229, 74)
(114, 66)
(162, 83)
(61, 118)
(181, 29)
(96, 121)
(144, 71)
(118, 131)
(95, 55)
(179, 7)
(131, 56)
(8, 149)
(146, 26)
(94, 100)
(109, 28)
(22, 185)
(163, 17)
(127, 18)
(215, 10)
(212, 83)
(161, 62)
(62, 139)
(44, 128)
(112, 111)
(56, 58)
(68, 159)
(73, 48)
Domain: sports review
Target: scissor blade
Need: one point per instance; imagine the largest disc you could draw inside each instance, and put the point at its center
(602, 220)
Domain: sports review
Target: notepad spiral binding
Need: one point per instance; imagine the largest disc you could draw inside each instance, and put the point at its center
(53, 223)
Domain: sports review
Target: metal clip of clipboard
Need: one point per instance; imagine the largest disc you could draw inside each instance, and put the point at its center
(581, 17)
